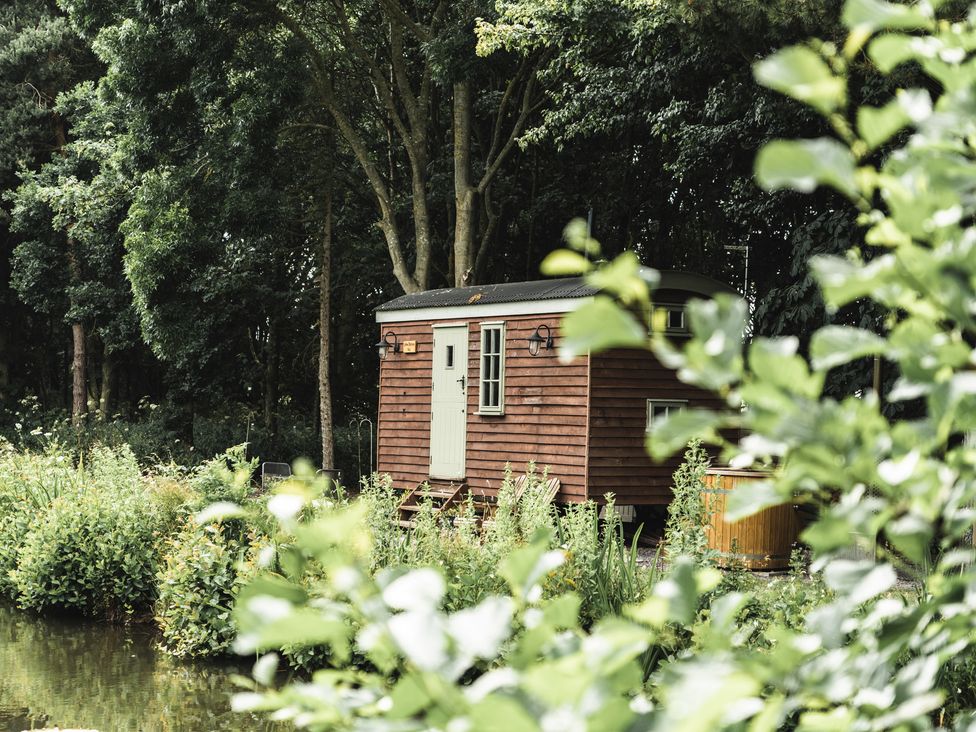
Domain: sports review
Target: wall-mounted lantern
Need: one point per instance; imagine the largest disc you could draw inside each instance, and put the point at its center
(385, 344)
(537, 341)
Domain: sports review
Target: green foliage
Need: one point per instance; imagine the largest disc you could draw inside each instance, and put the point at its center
(688, 518)
(381, 501)
(421, 653)
(864, 655)
(225, 477)
(202, 571)
(600, 567)
(29, 482)
(95, 549)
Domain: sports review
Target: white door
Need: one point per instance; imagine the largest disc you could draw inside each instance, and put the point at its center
(449, 402)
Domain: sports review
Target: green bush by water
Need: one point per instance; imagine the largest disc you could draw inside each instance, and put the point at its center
(106, 538)
(29, 482)
(97, 537)
(96, 547)
(203, 568)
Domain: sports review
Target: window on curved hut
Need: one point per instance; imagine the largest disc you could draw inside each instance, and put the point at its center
(670, 319)
(491, 393)
(659, 409)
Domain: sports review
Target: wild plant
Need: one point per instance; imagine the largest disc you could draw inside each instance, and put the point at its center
(200, 574)
(686, 530)
(381, 501)
(600, 565)
(225, 477)
(535, 513)
(29, 484)
(425, 538)
(501, 528)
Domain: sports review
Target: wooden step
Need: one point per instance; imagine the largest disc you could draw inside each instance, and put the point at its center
(442, 493)
(443, 496)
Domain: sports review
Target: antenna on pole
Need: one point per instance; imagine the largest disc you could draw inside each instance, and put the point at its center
(745, 279)
(589, 231)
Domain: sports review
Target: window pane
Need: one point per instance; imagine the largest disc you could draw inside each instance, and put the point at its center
(450, 357)
(492, 353)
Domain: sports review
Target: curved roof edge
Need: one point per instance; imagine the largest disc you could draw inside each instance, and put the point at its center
(673, 279)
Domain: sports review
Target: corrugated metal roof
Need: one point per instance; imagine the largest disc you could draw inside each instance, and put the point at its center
(542, 290)
(538, 290)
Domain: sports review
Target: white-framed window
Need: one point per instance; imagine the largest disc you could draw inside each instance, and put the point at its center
(670, 319)
(658, 409)
(491, 382)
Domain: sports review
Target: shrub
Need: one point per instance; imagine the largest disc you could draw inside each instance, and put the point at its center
(685, 532)
(225, 477)
(28, 484)
(202, 569)
(95, 548)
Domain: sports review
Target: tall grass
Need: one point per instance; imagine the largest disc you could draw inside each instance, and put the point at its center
(601, 565)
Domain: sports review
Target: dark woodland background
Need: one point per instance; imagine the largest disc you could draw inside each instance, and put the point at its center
(177, 178)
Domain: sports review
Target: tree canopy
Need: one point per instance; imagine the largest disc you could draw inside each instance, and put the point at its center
(179, 176)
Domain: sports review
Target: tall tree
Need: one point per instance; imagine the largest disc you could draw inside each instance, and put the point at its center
(664, 92)
(412, 102)
(398, 64)
(70, 262)
(41, 57)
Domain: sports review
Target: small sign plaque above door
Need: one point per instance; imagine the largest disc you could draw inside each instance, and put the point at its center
(410, 346)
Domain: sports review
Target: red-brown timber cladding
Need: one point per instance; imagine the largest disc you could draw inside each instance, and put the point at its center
(621, 383)
(585, 420)
(545, 420)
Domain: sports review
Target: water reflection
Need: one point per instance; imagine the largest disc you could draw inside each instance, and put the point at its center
(67, 673)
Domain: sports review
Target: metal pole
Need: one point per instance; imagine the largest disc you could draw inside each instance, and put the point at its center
(746, 285)
(876, 377)
(745, 249)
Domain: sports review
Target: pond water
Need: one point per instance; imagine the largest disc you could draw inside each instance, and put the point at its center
(66, 673)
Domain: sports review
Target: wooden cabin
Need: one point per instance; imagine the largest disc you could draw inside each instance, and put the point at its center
(461, 393)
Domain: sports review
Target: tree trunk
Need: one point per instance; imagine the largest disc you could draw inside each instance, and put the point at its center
(271, 381)
(421, 215)
(464, 191)
(79, 380)
(79, 377)
(108, 383)
(325, 341)
(79, 357)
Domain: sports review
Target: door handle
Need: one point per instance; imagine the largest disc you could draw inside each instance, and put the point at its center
(462, 381)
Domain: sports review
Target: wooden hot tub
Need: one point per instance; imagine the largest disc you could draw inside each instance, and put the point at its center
(761, 541)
